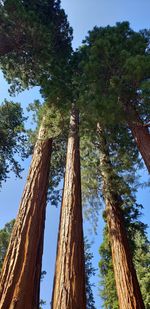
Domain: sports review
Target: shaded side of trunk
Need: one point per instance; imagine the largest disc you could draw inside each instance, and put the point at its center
(140, 133)
(69, 281)
(128, 290)
(20, 276)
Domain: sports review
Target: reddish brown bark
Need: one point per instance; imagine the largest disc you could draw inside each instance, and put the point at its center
(128, 290)
(20, 276)
(140, 133)
(69, 282)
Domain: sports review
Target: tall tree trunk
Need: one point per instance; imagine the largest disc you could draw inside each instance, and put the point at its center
(128, 290)
(140, 133)
(69, 281)
(20, 276)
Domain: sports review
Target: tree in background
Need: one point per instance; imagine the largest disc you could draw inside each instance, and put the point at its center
(4, 240)
(13, 139)
(89, 272)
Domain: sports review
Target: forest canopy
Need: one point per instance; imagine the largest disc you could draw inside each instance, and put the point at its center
(89, 144)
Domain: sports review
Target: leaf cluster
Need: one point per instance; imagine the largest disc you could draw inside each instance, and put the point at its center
(13, 138)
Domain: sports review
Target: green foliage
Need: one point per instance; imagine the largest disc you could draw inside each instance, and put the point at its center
(142, 264)
(90, 179)
(115, 62)
(107, 283)
(35, 40)
(124, 158)
(53, 119)
(57, 124)
(4, 240)
(89, 272)
(13, 139)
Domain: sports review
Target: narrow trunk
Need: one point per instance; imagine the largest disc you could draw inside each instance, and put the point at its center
(140, 133)
(69, 281)
(20, 276)
(128, 290)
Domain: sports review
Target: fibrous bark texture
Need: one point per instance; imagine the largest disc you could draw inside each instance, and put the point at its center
(140, 133)
(128, 290)
(20, 276)
(69, 281)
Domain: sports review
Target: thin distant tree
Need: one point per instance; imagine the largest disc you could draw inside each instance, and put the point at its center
(69, 281)
(89, 272)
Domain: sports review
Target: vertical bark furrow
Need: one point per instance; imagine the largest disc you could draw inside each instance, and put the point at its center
(20, 276)
(69, 282)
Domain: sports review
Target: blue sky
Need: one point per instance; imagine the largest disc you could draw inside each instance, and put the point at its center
(83, 16)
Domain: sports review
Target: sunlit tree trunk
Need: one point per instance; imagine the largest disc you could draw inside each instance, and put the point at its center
(20, 276)
(140, 133)
(69, 281)
(128, 290)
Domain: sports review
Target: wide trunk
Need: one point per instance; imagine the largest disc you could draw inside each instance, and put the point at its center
(69, 281)
(128, 290)
(20, 276)
(140, 133)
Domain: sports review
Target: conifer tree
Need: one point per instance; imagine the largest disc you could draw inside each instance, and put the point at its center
(89, 272)
(33, 37)
(115, 66)
(13, 138)
(22, 264)
(128, 290)
(139, 246)
(4, 240)
(69, 281)
(115, 192)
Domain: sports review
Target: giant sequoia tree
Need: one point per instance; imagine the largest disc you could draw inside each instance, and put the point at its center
(116, 195)
(116, 79)
(25, 65)
(128, 290)
(23, 265)
(69, 281)
(33, 37)
(140, 247)
(109, 76)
